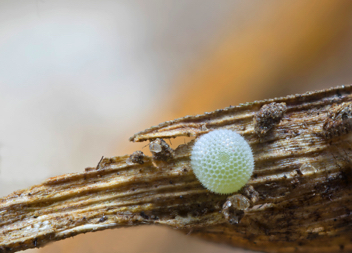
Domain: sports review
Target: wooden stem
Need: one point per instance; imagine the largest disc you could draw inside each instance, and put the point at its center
(298, 198)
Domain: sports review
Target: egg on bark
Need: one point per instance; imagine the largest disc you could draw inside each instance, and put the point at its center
(222, 160)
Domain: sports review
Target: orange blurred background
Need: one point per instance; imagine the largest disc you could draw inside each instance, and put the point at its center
(78, 78)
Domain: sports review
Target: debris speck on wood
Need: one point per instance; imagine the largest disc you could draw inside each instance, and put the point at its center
(234, 208)
(161, 150)
(268, 116)
(137, 157)
(339, 120)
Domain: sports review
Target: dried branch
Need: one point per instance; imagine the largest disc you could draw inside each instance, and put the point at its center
(298, 198)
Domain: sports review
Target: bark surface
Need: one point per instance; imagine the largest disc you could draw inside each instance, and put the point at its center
(298, 199)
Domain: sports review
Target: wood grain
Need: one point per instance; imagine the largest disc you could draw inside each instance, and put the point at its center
(298, 199)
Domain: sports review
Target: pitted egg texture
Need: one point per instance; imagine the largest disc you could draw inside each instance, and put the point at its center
(222, 160)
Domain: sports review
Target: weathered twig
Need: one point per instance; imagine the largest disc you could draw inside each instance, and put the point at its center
(298, 198)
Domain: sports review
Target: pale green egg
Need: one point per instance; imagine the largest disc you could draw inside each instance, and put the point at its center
(222, 160)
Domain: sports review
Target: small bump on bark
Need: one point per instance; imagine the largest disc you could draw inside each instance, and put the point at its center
(234, 208)
(267, 117)
(339, 121)
(161, 150)
(137, 157)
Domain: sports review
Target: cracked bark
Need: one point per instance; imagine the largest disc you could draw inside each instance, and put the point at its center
(298, 198)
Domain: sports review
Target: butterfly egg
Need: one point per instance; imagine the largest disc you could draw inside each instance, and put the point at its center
(222, 160)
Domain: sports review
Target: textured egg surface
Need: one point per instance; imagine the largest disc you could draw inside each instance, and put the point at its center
(222, 160)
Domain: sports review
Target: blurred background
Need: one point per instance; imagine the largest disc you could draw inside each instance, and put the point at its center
(78, 78)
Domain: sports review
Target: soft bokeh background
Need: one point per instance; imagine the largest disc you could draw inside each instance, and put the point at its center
(77, 78)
